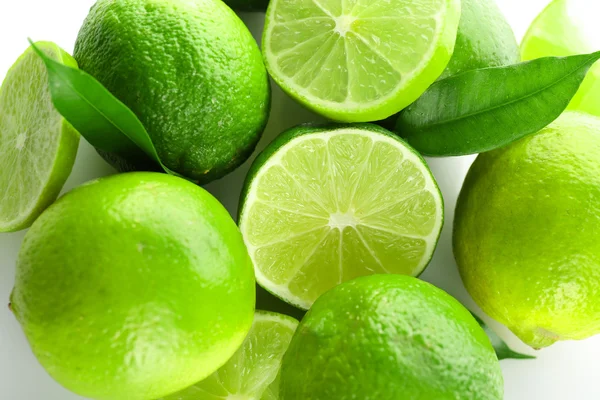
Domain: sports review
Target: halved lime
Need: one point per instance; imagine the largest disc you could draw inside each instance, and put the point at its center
(252, 372)
(564, 28)
(37, 146)
(323, 205)
(358, 60)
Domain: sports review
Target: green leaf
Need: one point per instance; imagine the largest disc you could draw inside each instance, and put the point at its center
(104, 121)
(484, 109)
(502, 350)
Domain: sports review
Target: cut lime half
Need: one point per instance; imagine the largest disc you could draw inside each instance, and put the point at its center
(37, 146)
(358, 60)
(565, 28)
(324, 205)
(252, 372)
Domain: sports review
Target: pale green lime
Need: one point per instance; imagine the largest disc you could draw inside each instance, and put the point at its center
(323, 205)
(134, 286)
(252, 371)
(389, 337)
(358, 60)
(526, 235)
(37, 146)
(564, 28)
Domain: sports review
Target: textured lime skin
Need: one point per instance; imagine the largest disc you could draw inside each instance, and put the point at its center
(390, 337)
(64, 144)
(120, 287)
(484, 39)
(190, 70)
(526, 235)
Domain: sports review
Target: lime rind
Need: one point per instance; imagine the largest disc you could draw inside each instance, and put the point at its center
(401, 239)
(252, 372)
(336, 33)
(37, 145)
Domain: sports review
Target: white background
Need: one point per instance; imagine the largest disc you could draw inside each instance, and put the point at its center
(563, 371)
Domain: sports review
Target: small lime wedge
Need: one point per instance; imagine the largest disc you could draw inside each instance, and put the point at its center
(565, 28)
(323, 205)
(37, 146)
(252, 372)
(358, 60)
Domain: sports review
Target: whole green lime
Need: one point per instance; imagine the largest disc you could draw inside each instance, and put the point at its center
(120, 287)
(526, 234)
(190, 70)
(389, 337)
(484, 39)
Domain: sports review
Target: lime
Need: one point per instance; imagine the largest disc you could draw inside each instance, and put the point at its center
(390, 337)
(37, 146)
(323, 205)
(358, 61)
(120, 287)
(190, 70)
(253, 368)
(526, 235)
(564, 28)
(484, 39)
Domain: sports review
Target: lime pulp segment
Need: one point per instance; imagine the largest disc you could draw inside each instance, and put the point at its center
(252, 372)
(359, 60)
(332, 205)
(37, 145)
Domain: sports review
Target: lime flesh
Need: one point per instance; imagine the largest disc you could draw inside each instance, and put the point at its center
(325, 205)
(564, 28)
(252, 371)
(192, 73)
(358, 60)
(37, 146)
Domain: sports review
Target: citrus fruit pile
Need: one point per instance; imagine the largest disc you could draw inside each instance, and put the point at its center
(141, 286)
